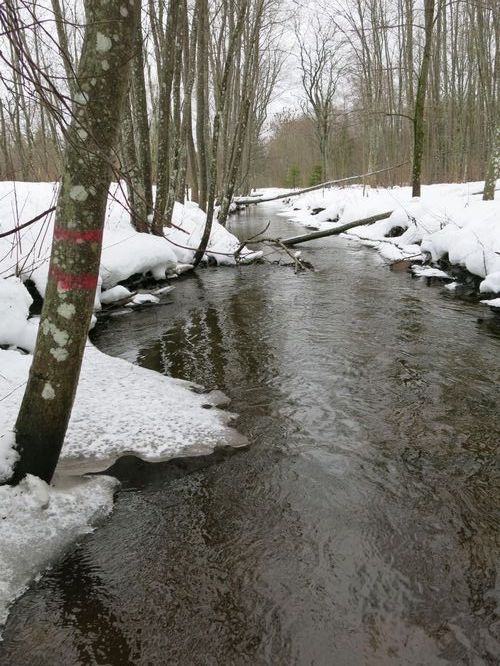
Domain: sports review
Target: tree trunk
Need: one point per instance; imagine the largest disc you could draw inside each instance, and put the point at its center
(216, 130)
(202, 138)
(140, 119)
(63, 45)
(492, 167)
(418, 116)
(295, 240)
(132, 172)
(76, 248)
(164, 120)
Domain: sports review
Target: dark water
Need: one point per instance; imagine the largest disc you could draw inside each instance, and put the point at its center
(360, 527)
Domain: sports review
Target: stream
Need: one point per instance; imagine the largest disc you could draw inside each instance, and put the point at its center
(360, 527)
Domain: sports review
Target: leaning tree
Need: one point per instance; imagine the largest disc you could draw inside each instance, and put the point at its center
(99, 89)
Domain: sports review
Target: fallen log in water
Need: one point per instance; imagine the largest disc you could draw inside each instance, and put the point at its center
(295, 240)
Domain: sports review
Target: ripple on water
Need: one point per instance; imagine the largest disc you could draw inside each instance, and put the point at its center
(361, 526)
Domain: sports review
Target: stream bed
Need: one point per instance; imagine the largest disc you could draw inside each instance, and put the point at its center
(360, 527)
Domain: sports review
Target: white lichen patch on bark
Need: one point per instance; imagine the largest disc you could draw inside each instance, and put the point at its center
(59, 354)
(66, 310)
(48, 392)
(104, 43)
(105, 65)
(60, 337)
(81, 98)
(78, 193)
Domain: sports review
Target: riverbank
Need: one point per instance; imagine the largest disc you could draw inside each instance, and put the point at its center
(448, 227)
(119, 409)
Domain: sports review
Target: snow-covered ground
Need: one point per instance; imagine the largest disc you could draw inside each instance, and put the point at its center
(448, 220)
(125, 251)
(120, 408)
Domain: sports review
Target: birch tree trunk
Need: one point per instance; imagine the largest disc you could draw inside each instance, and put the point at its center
(76, 248)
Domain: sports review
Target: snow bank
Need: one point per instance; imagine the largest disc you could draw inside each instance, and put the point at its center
(491, 284)
(448, 220)
(492, 303)
(123, 409)
(221, 246)
(15, 303)
(125, 251)
(38, 522)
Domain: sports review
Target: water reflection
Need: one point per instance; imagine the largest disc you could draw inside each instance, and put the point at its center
(361, 527)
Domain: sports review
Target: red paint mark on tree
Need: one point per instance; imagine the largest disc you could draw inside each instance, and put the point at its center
(71, 281)
(78, 236)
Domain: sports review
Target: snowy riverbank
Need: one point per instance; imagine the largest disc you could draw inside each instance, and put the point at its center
(449, 222)
(120, 409)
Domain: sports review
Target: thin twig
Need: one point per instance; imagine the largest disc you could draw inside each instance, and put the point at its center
(27, 224)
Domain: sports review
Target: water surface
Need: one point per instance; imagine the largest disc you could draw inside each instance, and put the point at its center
(360, 526)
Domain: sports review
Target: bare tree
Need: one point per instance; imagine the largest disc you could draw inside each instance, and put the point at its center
(321, 68)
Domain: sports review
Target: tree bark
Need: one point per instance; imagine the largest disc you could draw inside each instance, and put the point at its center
(132, 172)
(418, 116)
(140, 118)
(164, 119)
(202, 110)
(63, 45)
(76, 248)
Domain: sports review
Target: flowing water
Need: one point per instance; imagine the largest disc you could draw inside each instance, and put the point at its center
(360, 527)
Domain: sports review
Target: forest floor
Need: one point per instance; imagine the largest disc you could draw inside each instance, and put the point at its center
(449, 227)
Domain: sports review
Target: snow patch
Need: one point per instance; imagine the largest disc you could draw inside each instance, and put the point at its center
(8, 455)
(114, 294)
(15, 303)
(112, 386)
(429, 271)
(491, 284)
(492, 302)
(38, 522)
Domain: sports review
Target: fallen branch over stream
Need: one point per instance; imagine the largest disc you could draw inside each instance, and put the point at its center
(295, 240)
(246, 201)
(285, 243)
